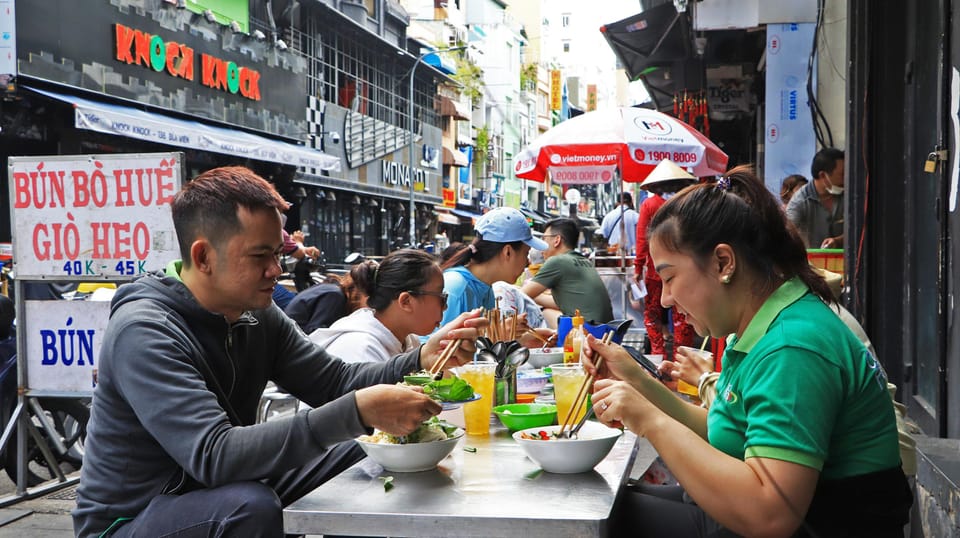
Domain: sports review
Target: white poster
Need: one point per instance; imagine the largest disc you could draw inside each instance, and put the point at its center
(790, 143)
(78, 217)
(63, 341)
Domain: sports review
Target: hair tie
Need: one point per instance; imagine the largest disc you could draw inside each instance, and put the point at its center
(723, 183)
(472, 247)
(376, 273)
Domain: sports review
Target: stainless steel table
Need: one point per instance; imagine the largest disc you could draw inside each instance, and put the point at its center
(485, 493)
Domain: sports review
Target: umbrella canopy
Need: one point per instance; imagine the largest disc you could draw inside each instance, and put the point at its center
(590, 148)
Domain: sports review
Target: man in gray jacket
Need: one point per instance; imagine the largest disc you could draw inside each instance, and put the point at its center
(172, 444)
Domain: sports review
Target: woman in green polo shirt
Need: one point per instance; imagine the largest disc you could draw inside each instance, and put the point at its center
(801, 439)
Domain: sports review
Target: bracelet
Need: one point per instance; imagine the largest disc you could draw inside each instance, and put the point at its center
(703, 377)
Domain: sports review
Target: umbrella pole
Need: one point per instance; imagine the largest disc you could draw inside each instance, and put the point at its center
(622, 247)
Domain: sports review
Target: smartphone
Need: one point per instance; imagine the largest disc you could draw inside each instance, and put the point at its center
(645, 362)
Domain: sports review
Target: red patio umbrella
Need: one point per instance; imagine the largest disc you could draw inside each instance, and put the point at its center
(592, 147)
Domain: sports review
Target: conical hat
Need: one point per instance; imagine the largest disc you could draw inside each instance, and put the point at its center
(667, 170)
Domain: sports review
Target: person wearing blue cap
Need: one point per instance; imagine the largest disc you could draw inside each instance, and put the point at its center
(498, 252)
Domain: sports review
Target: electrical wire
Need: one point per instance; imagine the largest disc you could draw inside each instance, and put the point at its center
(864, 223)
(821, 126)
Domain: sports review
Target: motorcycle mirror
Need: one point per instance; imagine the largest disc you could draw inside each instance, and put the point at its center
(353, 258)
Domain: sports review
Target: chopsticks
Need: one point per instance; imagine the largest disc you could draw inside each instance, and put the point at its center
(500, 327)
(445, 355)
(546, 341)
(582, 393)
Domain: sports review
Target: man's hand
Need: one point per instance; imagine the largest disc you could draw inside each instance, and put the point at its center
(298, 236)
(832, 242)
(466, 328)
(311, 252)
(395, 409)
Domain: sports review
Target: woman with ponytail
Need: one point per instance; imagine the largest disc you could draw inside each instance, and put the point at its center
(801, 439)
(498, 252)
(404, 299)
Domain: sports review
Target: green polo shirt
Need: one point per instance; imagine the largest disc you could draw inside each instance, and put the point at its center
(798, 386)
(576, 285)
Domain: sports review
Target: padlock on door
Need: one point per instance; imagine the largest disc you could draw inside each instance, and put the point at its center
(933, 158)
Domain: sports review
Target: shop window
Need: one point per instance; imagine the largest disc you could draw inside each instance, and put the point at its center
(353, 95)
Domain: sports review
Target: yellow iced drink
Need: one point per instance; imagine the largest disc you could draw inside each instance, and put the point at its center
(476, 414)
(567, 380)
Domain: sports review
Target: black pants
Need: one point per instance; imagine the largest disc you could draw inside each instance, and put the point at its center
(655, 511)
(240, 509)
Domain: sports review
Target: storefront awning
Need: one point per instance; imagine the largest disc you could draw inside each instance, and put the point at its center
(455, 109)
(658, 36)
(441, 63)
(446, 218)
(162, 129)
(453, 157)
(466, 214)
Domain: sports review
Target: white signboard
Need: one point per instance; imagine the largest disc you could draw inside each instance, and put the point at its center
(582, 174)
(63, 341)
(79, 217)
(789, 138)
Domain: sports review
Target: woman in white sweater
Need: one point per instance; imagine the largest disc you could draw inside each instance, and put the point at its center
(405, 299)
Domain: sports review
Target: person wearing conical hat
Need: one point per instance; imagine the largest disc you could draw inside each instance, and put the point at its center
(665, 180)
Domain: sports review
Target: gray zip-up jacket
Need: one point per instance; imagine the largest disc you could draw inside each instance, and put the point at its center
(153, 413)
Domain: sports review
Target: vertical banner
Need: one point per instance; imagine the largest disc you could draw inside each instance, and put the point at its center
(8, 42)
(93, 216)
(465, 190)
(591, 97)
(789, 139)
(556, 89)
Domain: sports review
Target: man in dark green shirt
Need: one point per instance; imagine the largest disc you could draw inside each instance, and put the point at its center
(572, 279)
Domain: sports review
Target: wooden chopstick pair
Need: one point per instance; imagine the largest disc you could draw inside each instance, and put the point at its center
(569, 420)
(445, 355)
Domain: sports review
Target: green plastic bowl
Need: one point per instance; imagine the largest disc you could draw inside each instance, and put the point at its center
(522, 416)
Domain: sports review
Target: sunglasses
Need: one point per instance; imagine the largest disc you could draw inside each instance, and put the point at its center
(440, 294)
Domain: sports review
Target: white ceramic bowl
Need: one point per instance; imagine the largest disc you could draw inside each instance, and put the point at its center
(567, 456)
(540, 357)
(531, 381)
(411, 457)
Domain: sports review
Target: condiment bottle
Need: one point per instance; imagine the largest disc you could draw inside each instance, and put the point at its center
(573, 342)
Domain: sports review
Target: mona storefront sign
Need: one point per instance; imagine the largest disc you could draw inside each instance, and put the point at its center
(170, 58)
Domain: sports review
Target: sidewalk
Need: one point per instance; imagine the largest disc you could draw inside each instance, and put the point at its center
(43, 517)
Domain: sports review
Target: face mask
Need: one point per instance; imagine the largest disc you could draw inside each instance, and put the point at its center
(833, 189)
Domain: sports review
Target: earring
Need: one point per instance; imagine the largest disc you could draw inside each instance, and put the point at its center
(725, 279)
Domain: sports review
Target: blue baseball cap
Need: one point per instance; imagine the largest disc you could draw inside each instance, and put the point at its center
(506, 225)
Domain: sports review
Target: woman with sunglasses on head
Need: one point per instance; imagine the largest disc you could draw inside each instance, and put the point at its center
(801, 439)
(405, 299)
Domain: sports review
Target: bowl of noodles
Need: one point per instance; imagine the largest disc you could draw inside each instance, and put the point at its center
(566, 456)
(422, 450)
